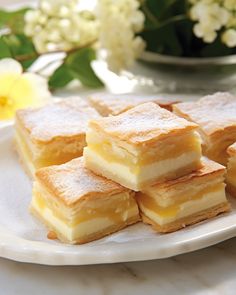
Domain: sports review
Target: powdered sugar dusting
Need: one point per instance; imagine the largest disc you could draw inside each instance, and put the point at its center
(142, 123)
(118, 103)
(212, 112)
(73, 181)
(68, 117)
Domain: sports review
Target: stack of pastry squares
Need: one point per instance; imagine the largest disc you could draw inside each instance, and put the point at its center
(145, 160)
(231, 170)
(216, 116)
(52, 134)
(174, 204)
(142, 146)
(80, 206)
(115, 104)
(151, 150)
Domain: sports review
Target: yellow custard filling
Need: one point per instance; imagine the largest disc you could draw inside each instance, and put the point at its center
(173, 149)
(24, 147)
(171, 211)
(116, 212)
(47, 158)
(61, 159)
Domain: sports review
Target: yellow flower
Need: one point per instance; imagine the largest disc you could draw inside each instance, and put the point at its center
(19, 90)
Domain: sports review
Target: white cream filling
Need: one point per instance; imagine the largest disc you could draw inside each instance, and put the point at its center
(187, 208)
(82, 229)
(147, 172)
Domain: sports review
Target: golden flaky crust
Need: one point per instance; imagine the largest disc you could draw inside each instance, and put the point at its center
(231, 189)
(183, 222)
(232, 150)
(143, 124)
(91, 237)
(72, 182)
(213, 113)
(209, 169)
(114, 104)
(66, 118)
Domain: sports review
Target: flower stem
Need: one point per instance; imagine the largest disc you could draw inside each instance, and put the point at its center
(25, 57)
(149, 14)
(174, 19)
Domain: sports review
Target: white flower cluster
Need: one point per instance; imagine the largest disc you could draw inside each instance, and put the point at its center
(214, 17)
(120, 21)
(58, 25)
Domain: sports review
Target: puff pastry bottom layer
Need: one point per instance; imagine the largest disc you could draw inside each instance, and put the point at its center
(92, 230)
(189, 220)
(90, 237)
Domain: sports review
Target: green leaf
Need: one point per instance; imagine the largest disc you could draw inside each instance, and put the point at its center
(163, 40)
(60, 78)
(184, 31)
(157, 12)
(4, 49)
(157, 8)
(14, 20)
(163, 18)
(217, 48)
(21, 48)
(79, 65)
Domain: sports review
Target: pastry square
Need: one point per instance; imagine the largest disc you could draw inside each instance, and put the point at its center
(231, 170)
(52, 134)
(216, 116)
(174, 204)
(79, 206)
(141, 146)
(115, 104)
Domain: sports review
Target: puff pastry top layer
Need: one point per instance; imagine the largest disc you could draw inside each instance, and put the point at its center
(65, 118)
(145, 123)
(213, 113)
(72, 182)
(114, 104)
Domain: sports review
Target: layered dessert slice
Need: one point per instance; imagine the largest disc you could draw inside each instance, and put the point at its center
(52, 134)
(231, 170)
(174, 204)
(216, 116)
(79, 206)
(114, 104)
(142, 146)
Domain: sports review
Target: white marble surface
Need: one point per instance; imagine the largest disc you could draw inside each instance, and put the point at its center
(209, 271)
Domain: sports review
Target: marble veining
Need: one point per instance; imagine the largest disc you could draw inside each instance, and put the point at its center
(210, 271)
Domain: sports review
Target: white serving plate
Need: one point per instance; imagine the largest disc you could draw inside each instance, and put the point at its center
(23, 238)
